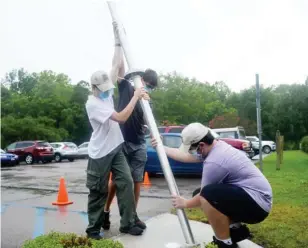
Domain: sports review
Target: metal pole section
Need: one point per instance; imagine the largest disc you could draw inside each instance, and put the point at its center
(154, 130)
(259, 120)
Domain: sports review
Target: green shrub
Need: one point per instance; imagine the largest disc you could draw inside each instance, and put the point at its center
(290, 145)
(69, 240)
(304, 144)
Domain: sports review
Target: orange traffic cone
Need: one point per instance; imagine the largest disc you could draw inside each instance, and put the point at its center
(146, 180)
(62, 194)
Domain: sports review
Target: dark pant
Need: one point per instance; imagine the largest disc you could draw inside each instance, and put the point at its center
(136, 156)
(233, 202)
(97, 182)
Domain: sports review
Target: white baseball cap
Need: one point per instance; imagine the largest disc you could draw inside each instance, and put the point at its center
(192, 134)
(102, 81)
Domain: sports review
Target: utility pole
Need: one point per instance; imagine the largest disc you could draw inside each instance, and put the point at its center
(259, 120)
(152, 125)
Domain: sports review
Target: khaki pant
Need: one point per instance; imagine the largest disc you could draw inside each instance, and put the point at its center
(98, 172)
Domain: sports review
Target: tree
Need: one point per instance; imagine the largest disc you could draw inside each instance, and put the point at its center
(47, 105)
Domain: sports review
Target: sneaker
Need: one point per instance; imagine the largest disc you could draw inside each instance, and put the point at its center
(140, 223)
(106, 223)
(134, 230)
(95, 236)
(240, 233)
(221, 244)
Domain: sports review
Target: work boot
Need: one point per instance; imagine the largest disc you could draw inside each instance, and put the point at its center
(221, 244)
(239, 233)
(140, 223)
(106, 223)
(95, 236)
(134, 230)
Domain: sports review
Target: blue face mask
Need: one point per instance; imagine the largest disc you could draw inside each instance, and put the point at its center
(106, 94)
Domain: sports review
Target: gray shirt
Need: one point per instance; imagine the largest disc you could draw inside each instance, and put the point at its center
(225, 164)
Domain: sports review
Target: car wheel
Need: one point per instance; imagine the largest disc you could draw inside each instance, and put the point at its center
(71, 159)
(266, 149)
(29, 159)
(58, 157)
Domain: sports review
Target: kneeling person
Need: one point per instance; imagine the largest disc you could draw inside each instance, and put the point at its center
(233, 190)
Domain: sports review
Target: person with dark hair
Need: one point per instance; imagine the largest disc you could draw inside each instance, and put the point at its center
(133, 131)
(106, 154)
(233, 190)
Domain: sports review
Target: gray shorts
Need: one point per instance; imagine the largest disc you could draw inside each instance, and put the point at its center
(136, 156)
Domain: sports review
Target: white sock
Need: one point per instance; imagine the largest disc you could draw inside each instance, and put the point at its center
(106, 211)
(226, 241)
(235, 225)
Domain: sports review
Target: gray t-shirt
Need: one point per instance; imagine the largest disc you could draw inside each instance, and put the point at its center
(227, 165)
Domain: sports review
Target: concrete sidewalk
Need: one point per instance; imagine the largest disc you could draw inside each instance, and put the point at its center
(164, 231)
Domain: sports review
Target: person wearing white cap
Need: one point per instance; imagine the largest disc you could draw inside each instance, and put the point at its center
(106, 154)
(233, 190)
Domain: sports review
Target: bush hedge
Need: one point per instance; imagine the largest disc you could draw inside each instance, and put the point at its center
(69, 240)
(304, 144)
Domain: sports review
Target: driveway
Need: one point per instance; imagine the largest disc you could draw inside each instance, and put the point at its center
(27, 193)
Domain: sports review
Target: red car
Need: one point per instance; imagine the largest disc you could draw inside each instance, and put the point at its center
(32, 151)
(241, 144)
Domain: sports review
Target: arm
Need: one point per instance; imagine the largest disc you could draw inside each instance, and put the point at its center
(118, 68)
(193, 202)
(180, 202)
(104, 112)
(177, 155)
(125, 113)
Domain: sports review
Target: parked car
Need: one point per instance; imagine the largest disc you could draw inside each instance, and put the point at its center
(231, 133)
(242, 144)
(8, 158)
(173, 140)
(32, 151)
(236, 137)
(65, 150)
(267, 145)
(83, 150)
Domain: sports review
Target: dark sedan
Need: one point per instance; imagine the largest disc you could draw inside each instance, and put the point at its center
(8, 158)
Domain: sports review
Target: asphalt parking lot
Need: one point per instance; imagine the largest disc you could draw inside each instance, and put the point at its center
(27, 193)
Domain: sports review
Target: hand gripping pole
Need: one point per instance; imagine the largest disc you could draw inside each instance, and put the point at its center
(153, 128)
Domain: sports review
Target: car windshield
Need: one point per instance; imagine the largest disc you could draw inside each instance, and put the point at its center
(70, 145)
(230, 135)
(215, 135)
(172, 141)
(242, 134)
(43, 144)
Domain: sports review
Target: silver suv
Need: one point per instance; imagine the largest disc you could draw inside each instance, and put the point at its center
(65, 150)
(83, 150)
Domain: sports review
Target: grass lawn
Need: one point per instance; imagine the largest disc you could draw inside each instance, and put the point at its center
(287, 224)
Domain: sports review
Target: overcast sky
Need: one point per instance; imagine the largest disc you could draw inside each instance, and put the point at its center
(211, 40)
